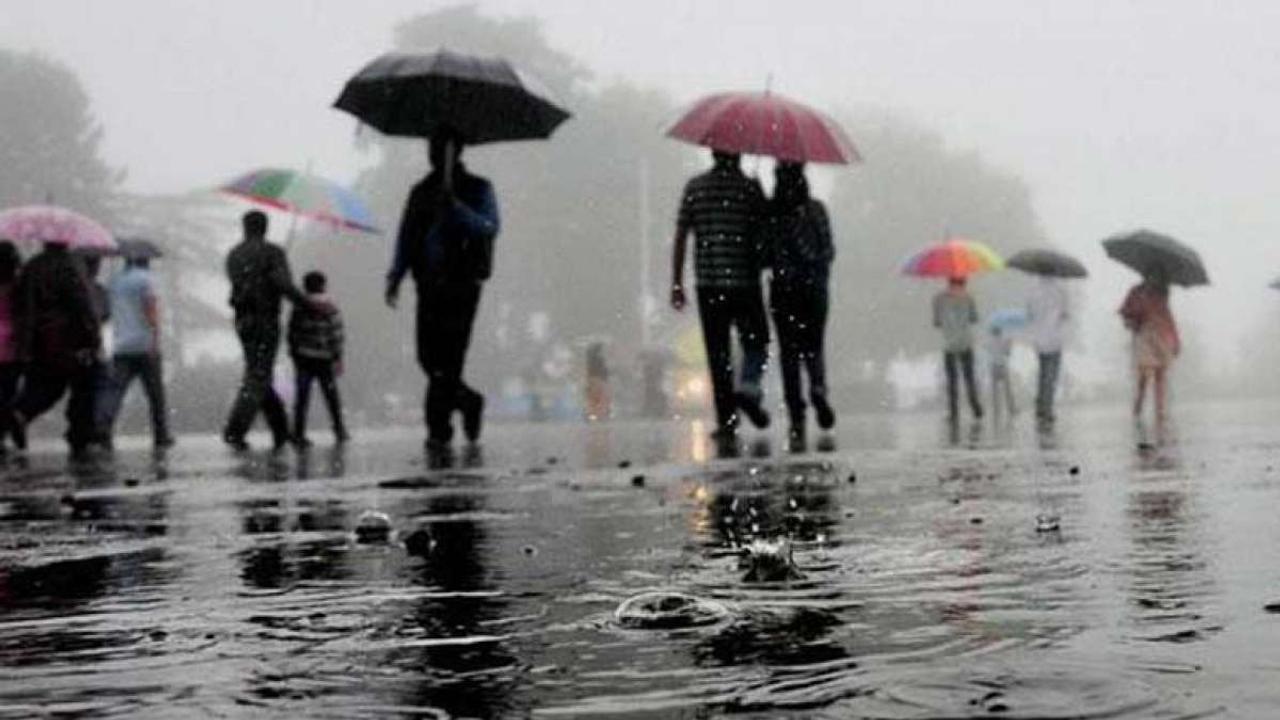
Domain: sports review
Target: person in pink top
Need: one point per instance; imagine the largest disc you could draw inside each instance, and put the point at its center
(10, 363)
(1155, 337)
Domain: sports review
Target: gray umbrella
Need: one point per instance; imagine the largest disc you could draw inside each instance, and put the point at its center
(1147, 252)
(1052, 263)
(481, 99)
(136, 248)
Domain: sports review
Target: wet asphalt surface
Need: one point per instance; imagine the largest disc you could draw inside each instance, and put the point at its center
(1101, 570)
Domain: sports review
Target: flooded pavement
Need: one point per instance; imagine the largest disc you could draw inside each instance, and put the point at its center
(1101, 571)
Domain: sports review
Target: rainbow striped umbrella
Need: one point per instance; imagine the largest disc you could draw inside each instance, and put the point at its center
(954, 258)
(305, 195)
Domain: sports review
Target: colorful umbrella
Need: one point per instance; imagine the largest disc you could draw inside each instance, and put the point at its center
(481, 99)
(52, 224)
(305, 195)
(765, 124)
(955, 258)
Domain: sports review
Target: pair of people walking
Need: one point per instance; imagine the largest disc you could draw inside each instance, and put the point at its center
(260, 283)
(737, 234)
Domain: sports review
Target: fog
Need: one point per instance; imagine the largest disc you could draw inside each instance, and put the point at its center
(1112, 116)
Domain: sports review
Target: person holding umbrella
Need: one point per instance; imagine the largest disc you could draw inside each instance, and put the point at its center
(451, 218)
(1162, 261)
(60, 339)
(446, 240)
(1049, 316)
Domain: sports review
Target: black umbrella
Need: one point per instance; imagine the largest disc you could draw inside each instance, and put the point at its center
(421, 94)
(1047, 262)
(1147, 252)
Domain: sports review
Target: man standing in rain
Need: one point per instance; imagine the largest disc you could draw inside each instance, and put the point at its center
(724, 209)
(1048, 316)
(446, 241)
(260, 279)
(954, 314)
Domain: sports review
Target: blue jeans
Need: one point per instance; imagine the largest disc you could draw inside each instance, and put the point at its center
(124, 368)
(1050, 365)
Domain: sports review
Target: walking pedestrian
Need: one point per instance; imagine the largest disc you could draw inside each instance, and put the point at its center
(1156, 342)
(802, 253)
(724, 210)
(446, 242)
(315, 344)
(1048, 314)
(60, 338)
(999, 352)
(954, 314)
(135, 320)
(260, 280)
(10, 362)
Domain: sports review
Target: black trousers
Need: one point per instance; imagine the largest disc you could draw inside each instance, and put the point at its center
(721, 310)
(124, 368)
(43, 386)
(307, 371)
(800, 316)
(10, 374)
(961, 362)
(446, 312)
(260, 341)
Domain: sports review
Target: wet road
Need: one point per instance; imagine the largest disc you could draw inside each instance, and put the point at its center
(1099, 571)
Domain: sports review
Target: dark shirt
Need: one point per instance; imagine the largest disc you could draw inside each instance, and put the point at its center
(724, 209)
(56, 314)
(260, 279)
(315, 330)
(802, 250)
(442, 243)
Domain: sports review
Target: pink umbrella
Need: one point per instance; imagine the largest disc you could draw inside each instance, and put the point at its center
(49, 223)
(765, 124)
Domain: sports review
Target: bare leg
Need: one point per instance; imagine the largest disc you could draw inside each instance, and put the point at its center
(1161, 398)
(1142, 392)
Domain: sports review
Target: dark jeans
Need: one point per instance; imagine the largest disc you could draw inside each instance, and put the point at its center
(722, 309)
(1050, 366)
(124, 368)
(44, 385)
(309, 370)
(956, 363)
(446, 312)
(800, 316)
(10, 374)
(260, 340)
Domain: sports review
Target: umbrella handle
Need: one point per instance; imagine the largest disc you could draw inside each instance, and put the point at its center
(450, 157)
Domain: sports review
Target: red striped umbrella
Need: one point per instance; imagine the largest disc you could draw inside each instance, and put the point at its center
(765, 124)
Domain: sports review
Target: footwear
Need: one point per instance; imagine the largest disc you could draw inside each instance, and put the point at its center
(341, 436)
(473, 418)
(751, 407)
(822, 411)
(17, 429)
(235, 442)
(164, 442)
(301, 442)
(437, 445)
(280, 442)
(796, 442)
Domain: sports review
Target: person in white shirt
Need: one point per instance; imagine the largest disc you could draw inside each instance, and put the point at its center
(999, 350)
(1048, 315)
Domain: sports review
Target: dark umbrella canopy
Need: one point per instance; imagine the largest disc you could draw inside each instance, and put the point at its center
(420, 94)
(1047, 262)
(1147, 252)
(135, 248)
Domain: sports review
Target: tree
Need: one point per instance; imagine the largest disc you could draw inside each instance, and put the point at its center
(49, 148)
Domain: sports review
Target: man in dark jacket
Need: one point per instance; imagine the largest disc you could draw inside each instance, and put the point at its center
(446, 241)
(60, 338)
(260, 281)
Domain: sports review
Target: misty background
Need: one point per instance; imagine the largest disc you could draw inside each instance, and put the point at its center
(1011, 123)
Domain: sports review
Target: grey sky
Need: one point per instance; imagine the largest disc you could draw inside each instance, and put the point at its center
(1118, 113)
